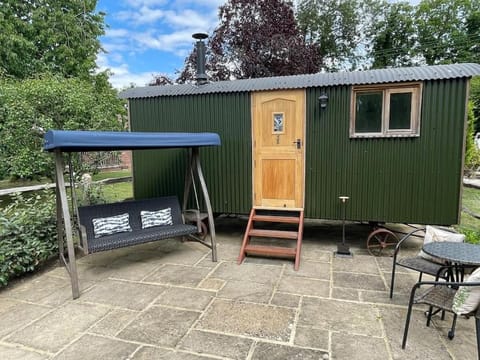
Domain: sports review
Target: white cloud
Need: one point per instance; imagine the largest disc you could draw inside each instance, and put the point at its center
(172, 42)
(141, 16)
(116, 33)
(137, 26)
(189, 18)
(138, 3)
(121, 76)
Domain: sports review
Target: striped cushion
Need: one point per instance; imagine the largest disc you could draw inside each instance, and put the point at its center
(111, 225)
(160, 217)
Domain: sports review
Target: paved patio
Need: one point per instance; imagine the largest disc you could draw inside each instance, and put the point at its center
(168, 300)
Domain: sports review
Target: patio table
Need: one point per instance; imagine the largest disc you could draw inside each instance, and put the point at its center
(460, 255)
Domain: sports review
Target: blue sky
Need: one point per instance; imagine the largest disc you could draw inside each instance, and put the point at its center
(148, 37)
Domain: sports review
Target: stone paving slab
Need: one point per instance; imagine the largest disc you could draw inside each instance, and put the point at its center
(312, 337)
(284, 299)
(207, 343)
(284, 352)
(18, 315)
(90, 347)
(304, 286)
(133, 270)
(115, 321)
(422, 343)
(11, 353)
(123, 294)
(358, 347)
(359, 264)
(178, 275)
(247, 291)
(161, 326)
(149, 353)
(191, 299)
(37, 289)
(354, 318)
(310, 269)
(58, 328)
(262, 274)
(358, 281)
(249, 319)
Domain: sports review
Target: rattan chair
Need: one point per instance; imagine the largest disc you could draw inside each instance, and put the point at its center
(416, 263)
(439, 296)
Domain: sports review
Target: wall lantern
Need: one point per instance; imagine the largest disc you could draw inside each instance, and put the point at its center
(323, 100)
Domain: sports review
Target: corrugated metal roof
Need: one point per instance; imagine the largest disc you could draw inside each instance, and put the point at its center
(378, 76)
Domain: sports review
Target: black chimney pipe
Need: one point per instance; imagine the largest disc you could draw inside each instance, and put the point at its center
(200, 45)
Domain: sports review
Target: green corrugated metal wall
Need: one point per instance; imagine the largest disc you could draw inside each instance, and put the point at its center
(227, 168)
(407, 180)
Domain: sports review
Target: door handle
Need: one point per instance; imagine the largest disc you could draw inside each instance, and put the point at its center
(298, 142)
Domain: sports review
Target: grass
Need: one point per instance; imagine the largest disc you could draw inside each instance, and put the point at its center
(111, 175)
(469, 225)
(118, 192)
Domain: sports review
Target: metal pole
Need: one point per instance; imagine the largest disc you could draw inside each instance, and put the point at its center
(343, 249)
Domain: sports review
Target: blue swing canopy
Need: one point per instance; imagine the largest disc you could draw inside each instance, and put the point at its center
(72, 141)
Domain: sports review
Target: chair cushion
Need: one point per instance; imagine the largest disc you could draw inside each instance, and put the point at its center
(111, 225)
(433, 234)
(160, 217)
(467, 298)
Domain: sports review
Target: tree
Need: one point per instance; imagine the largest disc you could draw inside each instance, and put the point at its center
(394, 36)
(255, 39)
(50, 102)
(160, 80)
(331, 26)
(53, 36)
(475, 99)
(448, 31)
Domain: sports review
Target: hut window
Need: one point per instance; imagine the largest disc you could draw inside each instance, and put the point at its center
(385, 111)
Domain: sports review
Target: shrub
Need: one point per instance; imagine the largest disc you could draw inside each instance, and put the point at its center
(471, 236)
(28, 234)
(472, 154)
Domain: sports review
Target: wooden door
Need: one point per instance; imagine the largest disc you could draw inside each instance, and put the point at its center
(278, 140)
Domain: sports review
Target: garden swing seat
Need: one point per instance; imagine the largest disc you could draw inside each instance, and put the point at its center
(137, 235)
(134, 222)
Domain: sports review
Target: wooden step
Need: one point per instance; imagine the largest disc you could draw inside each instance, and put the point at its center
(273, 234)
(277, 219)
(270, 250)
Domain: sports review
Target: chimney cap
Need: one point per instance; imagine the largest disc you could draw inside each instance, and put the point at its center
(200, 36)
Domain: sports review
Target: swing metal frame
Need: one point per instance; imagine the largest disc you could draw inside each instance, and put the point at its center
(65, 141)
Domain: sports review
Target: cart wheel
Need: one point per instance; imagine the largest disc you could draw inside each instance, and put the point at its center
(203, 234)
(451, 334)
(382, 242)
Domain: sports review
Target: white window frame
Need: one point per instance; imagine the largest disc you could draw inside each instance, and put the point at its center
(387, 90)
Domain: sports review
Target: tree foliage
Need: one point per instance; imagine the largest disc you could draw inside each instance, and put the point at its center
(160, 80)
(46, 103)
(448, 31)
(39, 36)
(254, 39)
(48, 80)
(330, 25)
(394, 36)
(29, 234)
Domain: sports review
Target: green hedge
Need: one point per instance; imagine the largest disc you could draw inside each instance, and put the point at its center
(28, 234)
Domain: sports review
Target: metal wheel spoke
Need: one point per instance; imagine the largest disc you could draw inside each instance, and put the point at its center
(380, 240)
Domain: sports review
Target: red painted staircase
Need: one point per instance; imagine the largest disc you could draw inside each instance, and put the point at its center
(270, 218)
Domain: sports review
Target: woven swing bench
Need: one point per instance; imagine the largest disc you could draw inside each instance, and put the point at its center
(138, 235)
